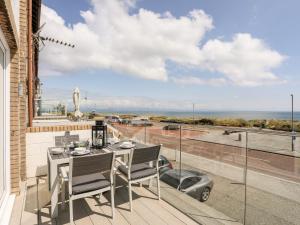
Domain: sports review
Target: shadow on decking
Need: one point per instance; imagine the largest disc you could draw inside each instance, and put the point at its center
(82, 207)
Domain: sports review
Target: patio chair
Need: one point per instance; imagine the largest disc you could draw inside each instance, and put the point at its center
(141, 167)
(41, 173)
(61, 141)
(86, 178)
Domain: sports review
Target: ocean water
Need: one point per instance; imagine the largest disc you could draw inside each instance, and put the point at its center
(248, 115)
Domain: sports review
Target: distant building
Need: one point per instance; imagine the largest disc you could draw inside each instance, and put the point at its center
(113, 119)
(141, 121)
(19, 19)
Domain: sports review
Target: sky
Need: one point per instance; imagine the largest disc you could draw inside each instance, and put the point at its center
(167, 55)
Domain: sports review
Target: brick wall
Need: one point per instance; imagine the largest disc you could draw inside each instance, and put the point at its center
(23, 46)
(18, 74)
(15, 155)
(59, 128)
(18, 103)
(7, 28)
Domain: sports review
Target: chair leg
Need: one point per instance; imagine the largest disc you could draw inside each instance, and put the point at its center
(114, 184)
(37, 198)
(130, 195)
(112, 201)
(63, 195)
(37, 193)
(71, 211)
(150, 183)
(158, 187)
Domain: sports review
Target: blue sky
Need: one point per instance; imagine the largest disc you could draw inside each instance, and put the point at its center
(211, 87)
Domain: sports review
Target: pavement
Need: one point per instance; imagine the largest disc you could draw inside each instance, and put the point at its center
(271, 142)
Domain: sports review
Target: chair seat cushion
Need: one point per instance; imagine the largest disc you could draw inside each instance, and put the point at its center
(138, 171)
(87, 183)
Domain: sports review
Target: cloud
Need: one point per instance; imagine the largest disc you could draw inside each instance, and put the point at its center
(53, 96)
(111, 38)
(245, 61)
(192, 80)
(140, 44)
(138, 103)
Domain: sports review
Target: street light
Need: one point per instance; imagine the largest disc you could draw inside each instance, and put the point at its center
(293, 130)
(193, 113)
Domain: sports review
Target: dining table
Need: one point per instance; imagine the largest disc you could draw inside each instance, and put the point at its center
(55, 161)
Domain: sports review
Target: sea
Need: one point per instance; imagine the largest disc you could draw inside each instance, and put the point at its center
(247, 115)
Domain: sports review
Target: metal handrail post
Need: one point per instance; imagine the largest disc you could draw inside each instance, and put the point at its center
(245, 179)
(180, 150)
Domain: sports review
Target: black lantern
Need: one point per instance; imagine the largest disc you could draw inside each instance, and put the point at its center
(99, 135)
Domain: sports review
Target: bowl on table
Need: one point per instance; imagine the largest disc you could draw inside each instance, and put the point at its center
(112, 141)
(57, 151)
(80, 151)
(127, 144)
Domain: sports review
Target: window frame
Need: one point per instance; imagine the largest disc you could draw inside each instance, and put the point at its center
(7, 199)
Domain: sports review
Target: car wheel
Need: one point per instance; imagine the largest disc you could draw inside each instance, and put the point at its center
(204, 194)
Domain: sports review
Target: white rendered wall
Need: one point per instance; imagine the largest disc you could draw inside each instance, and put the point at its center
(38, 143)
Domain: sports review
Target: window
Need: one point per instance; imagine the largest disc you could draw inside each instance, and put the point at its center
(188, 182)
(5, 198)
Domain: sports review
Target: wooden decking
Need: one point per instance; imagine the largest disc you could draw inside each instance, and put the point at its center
(91, 211)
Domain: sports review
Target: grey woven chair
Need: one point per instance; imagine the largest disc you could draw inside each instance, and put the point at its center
(142, 165)
(86, 178)
(61, 141)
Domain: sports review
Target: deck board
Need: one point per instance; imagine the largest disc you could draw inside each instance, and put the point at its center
(123, 206)
(106, 208)
(81, 215)
(171, 217)
(142, 209)
(92, 210)
(99, 215)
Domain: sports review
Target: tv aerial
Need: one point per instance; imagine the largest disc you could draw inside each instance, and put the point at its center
(39, 40)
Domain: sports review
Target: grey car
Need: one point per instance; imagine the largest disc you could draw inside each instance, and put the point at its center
(194, 183)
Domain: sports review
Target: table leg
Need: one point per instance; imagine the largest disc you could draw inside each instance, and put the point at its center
(54, 189)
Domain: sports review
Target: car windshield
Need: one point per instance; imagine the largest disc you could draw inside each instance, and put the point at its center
(188, 182)
(170, 180)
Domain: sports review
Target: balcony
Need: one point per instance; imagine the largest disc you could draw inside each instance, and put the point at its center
(89, 211)
(256, 179)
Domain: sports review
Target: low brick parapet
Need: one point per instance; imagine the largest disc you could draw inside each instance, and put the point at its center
(58, 128)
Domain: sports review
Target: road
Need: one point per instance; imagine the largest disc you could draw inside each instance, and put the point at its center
(279, 165)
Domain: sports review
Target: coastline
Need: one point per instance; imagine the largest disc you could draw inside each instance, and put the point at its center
(270, 124)
(212, 114)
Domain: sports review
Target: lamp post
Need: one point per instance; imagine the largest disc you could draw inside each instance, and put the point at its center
(293, 130)
(194, 114)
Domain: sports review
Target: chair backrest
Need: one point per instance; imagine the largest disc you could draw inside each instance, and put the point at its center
(91, 164)
(145, 155)
(67, 139)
